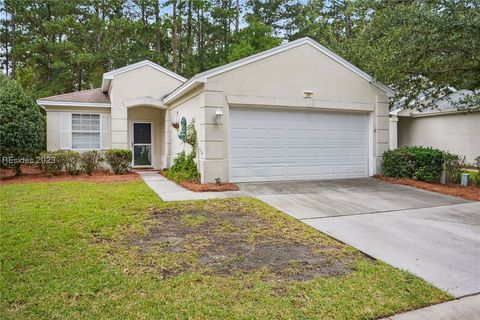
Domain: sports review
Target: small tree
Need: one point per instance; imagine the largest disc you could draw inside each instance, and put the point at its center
(22, 125)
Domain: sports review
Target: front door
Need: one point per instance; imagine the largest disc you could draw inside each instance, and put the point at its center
(142, 144)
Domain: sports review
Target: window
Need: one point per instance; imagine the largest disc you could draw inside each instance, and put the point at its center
(85, 131)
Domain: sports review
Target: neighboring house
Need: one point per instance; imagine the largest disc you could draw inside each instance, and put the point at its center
(441, 126)
(297, 111)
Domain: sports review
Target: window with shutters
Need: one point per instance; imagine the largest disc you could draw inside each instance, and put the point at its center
(85, 131)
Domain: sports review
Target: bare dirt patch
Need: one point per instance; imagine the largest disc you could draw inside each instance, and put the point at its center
(469, 192)
(231, 242)
(31, 174)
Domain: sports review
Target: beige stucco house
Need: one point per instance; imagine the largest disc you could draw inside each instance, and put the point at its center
(442, 126)
(297, 111)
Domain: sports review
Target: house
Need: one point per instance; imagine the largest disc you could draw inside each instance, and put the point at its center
(297, 111)
(441, 125)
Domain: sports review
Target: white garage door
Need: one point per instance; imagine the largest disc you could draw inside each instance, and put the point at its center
(271, 144)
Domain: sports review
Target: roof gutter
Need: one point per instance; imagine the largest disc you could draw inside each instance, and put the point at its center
(50, 103)
(189, 85)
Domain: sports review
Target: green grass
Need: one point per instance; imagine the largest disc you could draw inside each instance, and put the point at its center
(63, 255)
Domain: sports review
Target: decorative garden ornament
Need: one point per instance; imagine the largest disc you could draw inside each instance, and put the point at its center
(183, 130)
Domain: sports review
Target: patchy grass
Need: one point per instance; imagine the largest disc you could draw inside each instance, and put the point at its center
(83, 250)
(230, 237)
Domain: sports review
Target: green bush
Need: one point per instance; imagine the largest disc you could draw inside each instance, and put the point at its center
(184, 168)
(474, 178)
(89, 161)
(422, 163)
(453, 167)
(71, 162)
(120, 160)
(52, 162)
(22, 124)
(476, 162)
(398, 163)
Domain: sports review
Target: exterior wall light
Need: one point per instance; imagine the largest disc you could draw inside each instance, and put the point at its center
(219, 116)
(307, 94)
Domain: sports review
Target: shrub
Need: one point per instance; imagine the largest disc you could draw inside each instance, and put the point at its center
(398, 163)
(474, 178)
(119, 160)
(429, 163)
(184, 168)
(71, 162)
(89, 161)
(476, 162)
(22, 125)
(52, 162)
(413, 162)
(453, 167)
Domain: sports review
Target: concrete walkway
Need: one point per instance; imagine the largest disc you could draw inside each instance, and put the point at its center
(467, 308)
(170, 191)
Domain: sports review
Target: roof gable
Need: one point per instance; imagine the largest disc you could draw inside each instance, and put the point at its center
(202, 77)
(108, 76)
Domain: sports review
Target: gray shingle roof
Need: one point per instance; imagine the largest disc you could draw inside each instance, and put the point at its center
(93, 96)
(450, 102)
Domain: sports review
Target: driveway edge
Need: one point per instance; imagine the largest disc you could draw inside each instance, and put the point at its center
(466, 308)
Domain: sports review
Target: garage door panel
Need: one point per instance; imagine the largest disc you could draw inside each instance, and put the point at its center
(239, 133)
(277, 133)
(272, 144)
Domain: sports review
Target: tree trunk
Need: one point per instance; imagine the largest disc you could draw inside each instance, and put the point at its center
(18, 170)
(158, 34)
(237, 15)
(51, 39)
(348, 23)
(7, 41)
(98, 37)
(174, 36)
(79, 85)
(189, 27)
(12, 44)
(225, 5)
(201, 65)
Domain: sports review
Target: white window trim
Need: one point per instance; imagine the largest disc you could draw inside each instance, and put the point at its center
(72, 131)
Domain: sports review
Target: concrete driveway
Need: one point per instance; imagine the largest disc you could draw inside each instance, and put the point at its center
(434, 236)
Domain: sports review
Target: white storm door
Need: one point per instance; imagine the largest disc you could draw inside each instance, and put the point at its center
(142, 144)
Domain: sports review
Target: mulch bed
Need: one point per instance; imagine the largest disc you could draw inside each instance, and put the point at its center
(33, 174)
(209, 187)
(205, 187)
(469, 192)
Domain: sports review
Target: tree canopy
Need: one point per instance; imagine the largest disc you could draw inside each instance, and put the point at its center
(22, 125)
(54, 46)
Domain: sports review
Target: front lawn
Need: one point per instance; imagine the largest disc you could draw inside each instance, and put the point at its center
(81, 250)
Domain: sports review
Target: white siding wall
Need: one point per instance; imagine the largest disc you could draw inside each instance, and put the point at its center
(191, 108)
(458, 133)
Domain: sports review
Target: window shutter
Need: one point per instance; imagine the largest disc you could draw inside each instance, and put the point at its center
(105, 135)
(65, 130)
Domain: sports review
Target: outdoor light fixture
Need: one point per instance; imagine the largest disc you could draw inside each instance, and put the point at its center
(307, 94)
(218, 116)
